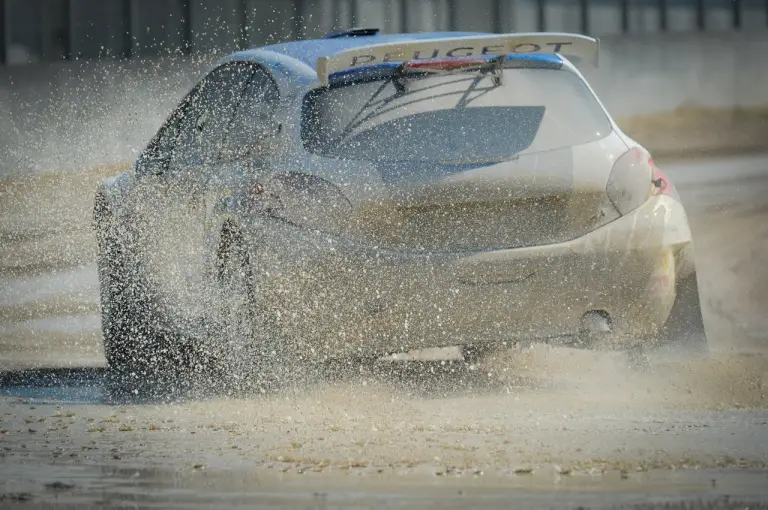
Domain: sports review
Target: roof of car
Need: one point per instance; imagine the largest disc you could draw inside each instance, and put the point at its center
(308, 51)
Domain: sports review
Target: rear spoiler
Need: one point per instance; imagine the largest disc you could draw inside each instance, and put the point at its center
(576, 45)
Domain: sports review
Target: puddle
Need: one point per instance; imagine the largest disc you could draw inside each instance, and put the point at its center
(180, 488)
(55, 386)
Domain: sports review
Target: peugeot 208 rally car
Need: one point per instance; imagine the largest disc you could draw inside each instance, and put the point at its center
(367, 194)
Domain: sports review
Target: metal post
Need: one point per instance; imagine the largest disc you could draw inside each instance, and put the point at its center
(700, 20)
(298, 19)
(353, 13)
(737, 14)
(625, 16)
(404, 16)
(186, 28)
(584, 8)
(663, 15)
(242, 21)
(128, 28)
(542, 16)
(452, 15)
(44, 21)
(337, 24)
(497, 23)
(3, 32)
(69, 31)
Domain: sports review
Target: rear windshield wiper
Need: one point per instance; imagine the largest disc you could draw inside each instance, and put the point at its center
(493, 65)
(426, 67)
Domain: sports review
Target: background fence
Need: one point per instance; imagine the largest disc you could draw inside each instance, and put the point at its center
(49, 30)
(89, 81)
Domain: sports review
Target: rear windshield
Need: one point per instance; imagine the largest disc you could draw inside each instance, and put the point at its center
(453, 117)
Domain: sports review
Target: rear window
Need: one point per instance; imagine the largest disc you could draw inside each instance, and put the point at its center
(453, 118)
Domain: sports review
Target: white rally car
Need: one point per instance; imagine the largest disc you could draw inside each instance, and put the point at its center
(365, 194)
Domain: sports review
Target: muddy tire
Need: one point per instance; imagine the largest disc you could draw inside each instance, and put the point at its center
(128, 367)
(252, 353)
(116, 315)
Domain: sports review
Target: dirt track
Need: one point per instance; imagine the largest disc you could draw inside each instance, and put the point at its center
(432, 433)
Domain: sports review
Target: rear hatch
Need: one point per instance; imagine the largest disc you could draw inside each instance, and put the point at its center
(466, 159)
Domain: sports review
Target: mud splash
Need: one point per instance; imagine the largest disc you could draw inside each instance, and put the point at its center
(541, 420)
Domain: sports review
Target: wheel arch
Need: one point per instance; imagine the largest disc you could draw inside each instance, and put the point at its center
(231, 217)
(111, 198)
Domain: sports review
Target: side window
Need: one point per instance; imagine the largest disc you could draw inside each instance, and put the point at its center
(208, 111)
(156, 156)
(254, 125)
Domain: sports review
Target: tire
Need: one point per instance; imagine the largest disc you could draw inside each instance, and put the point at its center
(125, 374)
(253, 354)
(138, 356)
(113, 286)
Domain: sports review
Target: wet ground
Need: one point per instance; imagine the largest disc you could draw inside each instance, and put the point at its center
(534, 428)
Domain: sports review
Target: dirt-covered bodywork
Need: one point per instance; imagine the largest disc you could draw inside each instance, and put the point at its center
(368, 194)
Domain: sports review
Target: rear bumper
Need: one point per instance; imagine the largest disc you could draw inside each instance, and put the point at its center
(341, 297)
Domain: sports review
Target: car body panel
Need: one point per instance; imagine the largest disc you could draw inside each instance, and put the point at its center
(345, 297)
(347, 292)
(547, 197)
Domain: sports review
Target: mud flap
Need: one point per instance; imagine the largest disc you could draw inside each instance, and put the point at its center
(684, 329)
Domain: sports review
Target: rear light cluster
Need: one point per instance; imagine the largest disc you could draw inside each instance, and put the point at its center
(661, 185)
(635, 178)
(629, 184)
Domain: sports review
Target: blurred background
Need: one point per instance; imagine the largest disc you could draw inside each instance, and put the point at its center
(51, 30)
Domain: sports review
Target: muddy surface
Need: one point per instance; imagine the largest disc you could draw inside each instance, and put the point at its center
(541, 427)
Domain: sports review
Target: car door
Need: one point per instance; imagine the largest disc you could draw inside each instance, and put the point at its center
(173, 195)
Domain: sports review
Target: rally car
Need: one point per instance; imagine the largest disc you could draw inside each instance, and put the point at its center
(367, 194)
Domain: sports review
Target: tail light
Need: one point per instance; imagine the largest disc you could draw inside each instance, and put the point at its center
(635, 178)
(629, 184)
(661, 184)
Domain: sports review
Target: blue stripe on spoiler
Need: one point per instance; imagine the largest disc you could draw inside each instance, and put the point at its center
(383, 69)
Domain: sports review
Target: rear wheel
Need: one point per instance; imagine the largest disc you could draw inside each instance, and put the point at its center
(252, 354)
